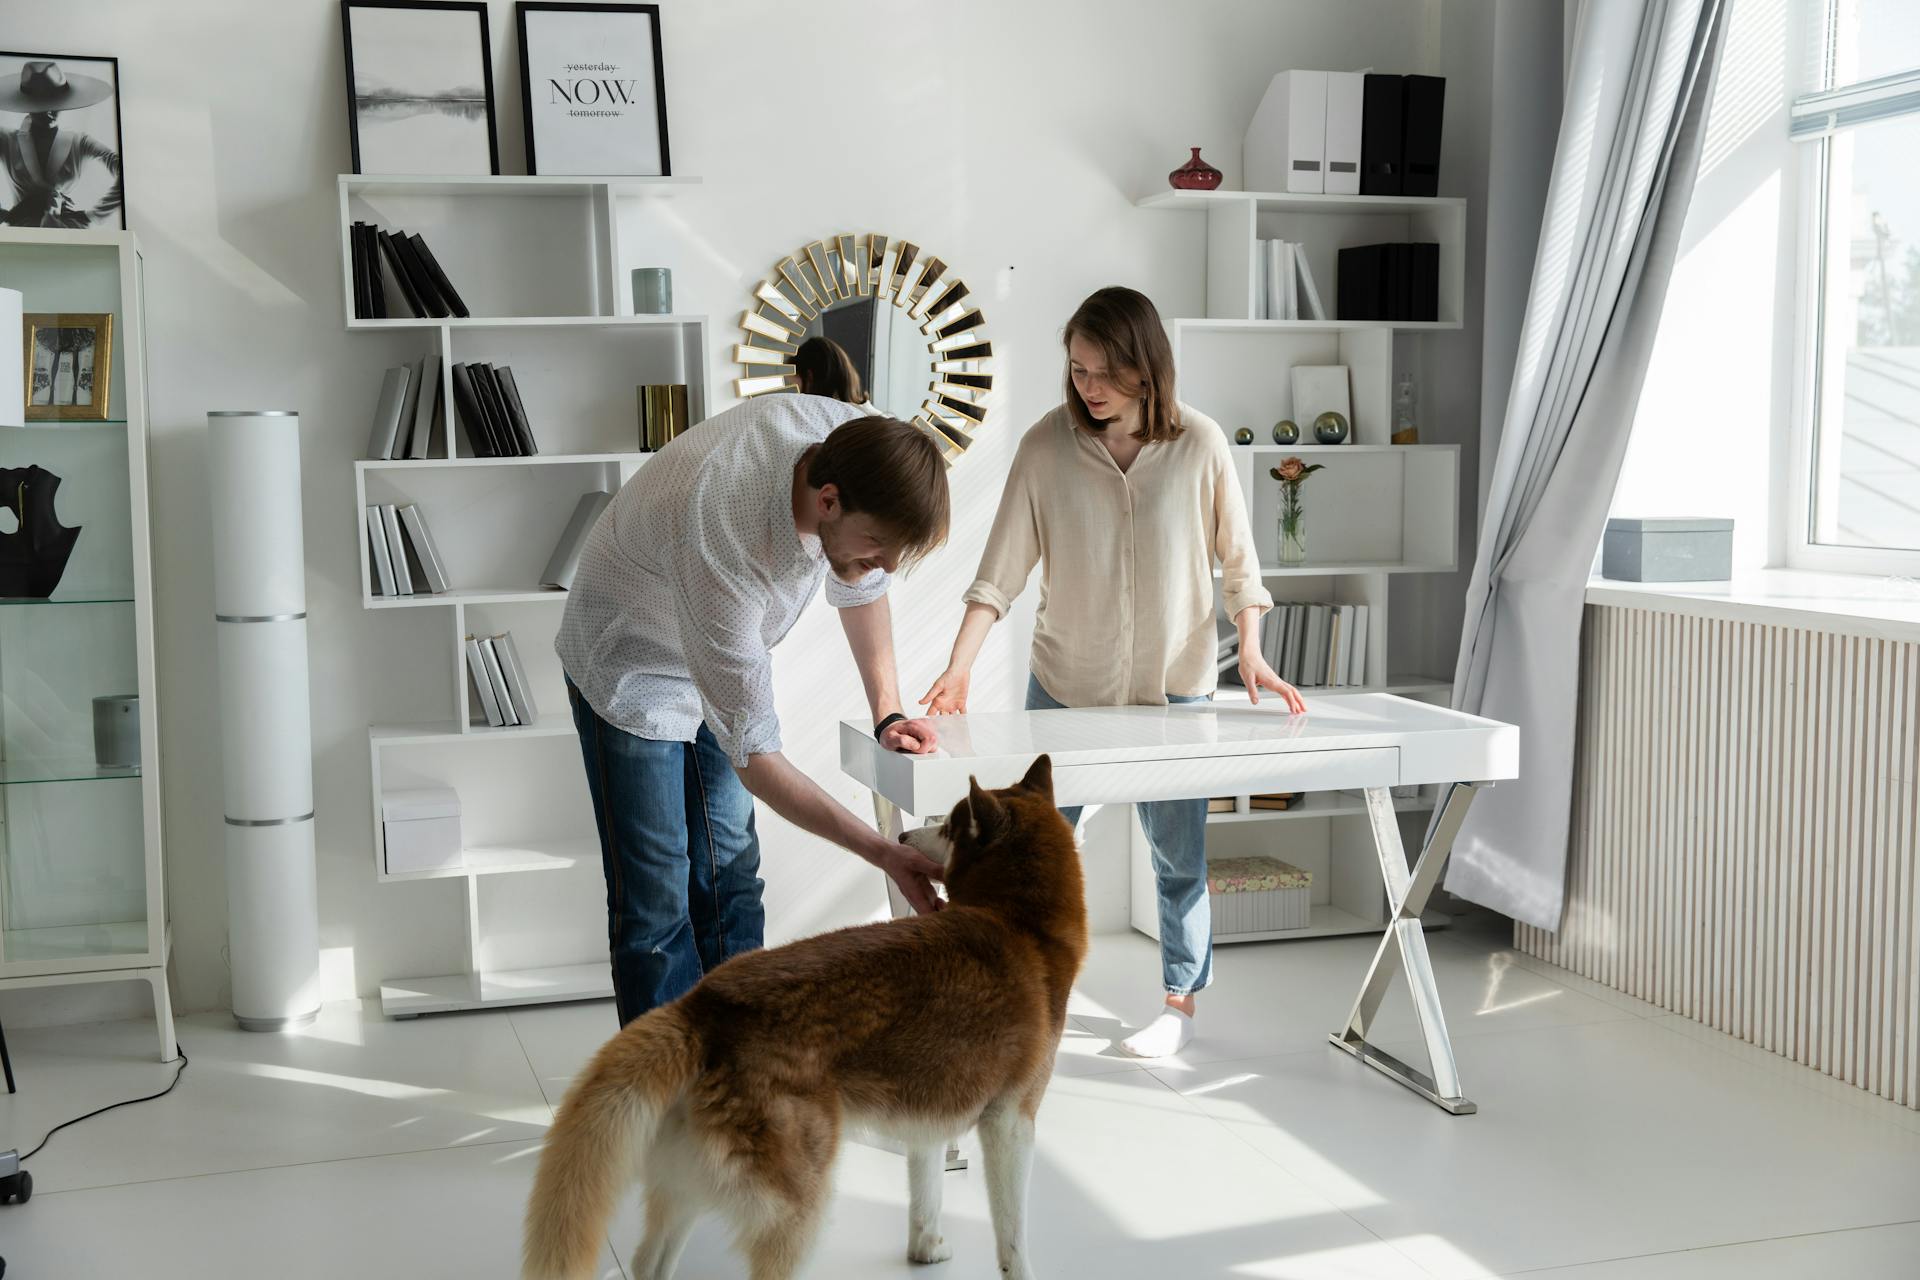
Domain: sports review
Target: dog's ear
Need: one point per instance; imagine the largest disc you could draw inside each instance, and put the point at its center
(1040, 777)
(989, 815)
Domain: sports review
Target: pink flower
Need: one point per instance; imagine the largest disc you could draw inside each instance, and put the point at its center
(1290, 470)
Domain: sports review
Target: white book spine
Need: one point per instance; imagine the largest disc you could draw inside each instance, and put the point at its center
(429, 400)
(482, 685)
(397, 549)
(1260, 280)
(432, 571)
(1289, 282)
(382, 576)
(388, 413)
(517, 685)
(1357, 671)
(1315, 310)
(502, 697)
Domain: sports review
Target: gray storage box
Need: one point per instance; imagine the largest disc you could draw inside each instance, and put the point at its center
(1668, 549)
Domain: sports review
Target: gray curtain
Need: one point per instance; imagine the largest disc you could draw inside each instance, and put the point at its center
(1638, 84)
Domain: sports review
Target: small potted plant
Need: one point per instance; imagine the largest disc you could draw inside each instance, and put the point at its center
(1292, 473)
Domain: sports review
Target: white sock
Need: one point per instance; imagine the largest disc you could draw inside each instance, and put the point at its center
(1167, 1034)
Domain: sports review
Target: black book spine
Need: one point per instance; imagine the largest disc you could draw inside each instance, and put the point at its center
(1381, 124)
(1402, 282)
(1426, 288)
(417, 272)
(375, 287)
(362, 299)
(518, 409)
(440, 281)
(494, 406)
(391, 253)
(467, 405)
(1425, 101)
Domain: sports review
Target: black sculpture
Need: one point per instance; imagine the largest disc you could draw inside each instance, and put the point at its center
(33, 556)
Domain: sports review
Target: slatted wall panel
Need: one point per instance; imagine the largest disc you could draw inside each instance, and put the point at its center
(1746, 836)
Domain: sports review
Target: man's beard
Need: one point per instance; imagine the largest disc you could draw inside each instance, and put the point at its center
(843, 567)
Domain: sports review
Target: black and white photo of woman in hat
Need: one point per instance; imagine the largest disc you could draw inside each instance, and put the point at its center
(58, 170)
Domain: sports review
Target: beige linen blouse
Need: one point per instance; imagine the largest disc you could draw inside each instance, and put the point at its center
(1126, 583)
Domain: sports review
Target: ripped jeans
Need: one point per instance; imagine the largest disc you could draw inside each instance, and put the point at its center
(681, 856)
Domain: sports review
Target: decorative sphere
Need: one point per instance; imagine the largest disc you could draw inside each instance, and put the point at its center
(1330, 427)
(1243, 436)
(1286, 431)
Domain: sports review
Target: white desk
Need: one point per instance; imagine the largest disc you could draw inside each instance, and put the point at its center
(1363, 741)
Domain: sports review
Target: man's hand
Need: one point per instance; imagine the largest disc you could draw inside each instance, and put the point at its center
(913, 871)
(1257, 675)
(913, 737)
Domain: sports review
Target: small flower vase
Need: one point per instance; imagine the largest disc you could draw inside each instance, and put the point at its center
(1293, 537)
(1195, 175)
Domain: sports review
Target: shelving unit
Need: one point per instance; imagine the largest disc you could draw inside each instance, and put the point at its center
(82, 883)
(1376, 511)
(562, 319)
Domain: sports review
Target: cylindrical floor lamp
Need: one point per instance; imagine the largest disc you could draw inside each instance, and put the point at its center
(260, 616)
(13, 393)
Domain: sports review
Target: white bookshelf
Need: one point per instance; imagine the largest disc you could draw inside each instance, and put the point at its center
(1376, 511)
(537, 260)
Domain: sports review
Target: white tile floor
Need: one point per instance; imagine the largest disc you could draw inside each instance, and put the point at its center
(1614, 1142)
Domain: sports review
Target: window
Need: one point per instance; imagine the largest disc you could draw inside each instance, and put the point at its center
(1858, 502)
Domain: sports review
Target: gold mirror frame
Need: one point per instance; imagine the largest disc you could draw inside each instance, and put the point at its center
(818, 275)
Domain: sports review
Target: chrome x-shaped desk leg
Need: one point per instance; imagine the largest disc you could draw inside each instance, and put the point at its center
(891, 822)
(1405, 948)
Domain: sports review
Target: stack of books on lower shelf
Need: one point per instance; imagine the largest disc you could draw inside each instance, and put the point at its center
(1314, 645)
(499, 683)
(405, 560)
(491, 412)
(1275, 802)
(408, 409)
(394, 267)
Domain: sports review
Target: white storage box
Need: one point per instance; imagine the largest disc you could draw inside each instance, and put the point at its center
(422, 828)
(1258, 895)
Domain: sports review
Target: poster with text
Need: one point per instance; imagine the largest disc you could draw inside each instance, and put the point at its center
(595, 96)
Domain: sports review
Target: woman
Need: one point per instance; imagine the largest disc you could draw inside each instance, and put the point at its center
(1125, 498)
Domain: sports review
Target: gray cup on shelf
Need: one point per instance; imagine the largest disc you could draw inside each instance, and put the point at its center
(116, 731)
(652, 291)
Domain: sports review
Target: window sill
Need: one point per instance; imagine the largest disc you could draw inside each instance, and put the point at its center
(1886, 608)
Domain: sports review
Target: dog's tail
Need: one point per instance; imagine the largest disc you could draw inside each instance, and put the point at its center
(592, 1153)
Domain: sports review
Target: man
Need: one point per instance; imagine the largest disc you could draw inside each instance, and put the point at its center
(696, 570)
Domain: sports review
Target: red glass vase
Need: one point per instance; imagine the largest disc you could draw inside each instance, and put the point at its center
(1195, 175)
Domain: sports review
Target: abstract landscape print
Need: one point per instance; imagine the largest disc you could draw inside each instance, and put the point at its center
(420, 81)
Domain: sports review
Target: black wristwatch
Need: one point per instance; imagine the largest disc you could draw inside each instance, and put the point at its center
(895, 718)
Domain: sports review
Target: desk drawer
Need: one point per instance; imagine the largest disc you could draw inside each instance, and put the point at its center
(1226, 775)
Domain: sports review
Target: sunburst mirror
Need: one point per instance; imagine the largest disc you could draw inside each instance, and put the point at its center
(904, 317)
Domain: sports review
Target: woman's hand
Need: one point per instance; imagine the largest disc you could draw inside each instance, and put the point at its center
(949, 693)
(1257, 675)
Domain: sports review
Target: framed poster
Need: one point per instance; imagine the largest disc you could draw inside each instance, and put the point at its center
(67, 108)
(595, 89)
(419, 86)
(69, 366)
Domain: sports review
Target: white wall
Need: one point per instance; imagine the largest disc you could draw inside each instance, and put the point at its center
(1011, 137)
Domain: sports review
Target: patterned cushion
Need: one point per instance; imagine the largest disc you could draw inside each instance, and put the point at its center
(1254, 875)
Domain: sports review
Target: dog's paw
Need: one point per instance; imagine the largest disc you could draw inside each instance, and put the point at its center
(927, 1247)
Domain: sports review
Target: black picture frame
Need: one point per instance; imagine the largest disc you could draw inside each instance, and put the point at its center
(651, 14)
(9, 77)
(477, 8)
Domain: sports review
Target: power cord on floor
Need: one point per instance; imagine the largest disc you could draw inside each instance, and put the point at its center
(17, 1186)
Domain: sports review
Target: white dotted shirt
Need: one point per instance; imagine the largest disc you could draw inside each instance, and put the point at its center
(695, 571)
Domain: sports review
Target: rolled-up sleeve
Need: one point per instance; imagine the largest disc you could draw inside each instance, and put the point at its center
(1013, 546)
(721, 615)
(851, 595)
(1240, 585)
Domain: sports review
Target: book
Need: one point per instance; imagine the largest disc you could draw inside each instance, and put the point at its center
(357, 260)
(1280, 304)
(565, 560)
(492, 411)
(1381, 126)
(482, 686)
(517, 409)
(426, 408)
(1275, 802)
(1313, 659)
(409, 410)
(466, 403)
(381, 579)
(416, 270)
(1357, 670)
(517, 686)
(390, 255)
(387, 412)
(1330, 666)
(1260, 311)
(501, 698)
(433, 571)
(1423, 103)
(396, 549)
(1311, 295)
(1220, 804)
(442, 285)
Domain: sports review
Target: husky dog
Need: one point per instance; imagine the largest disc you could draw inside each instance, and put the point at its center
(733, 1098)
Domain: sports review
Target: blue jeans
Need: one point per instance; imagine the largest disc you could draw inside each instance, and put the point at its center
(681, 857)
(1177, 837)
